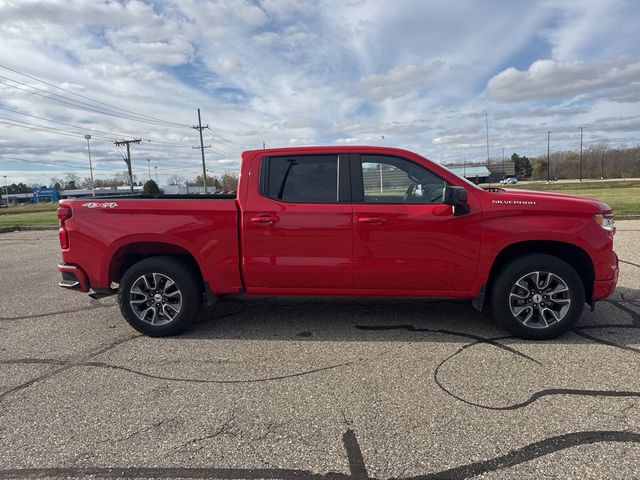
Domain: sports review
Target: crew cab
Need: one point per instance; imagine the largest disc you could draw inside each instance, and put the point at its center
(358, 221)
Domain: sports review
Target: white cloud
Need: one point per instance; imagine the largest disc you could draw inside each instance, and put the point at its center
(397, 82)
(599, 29)
(548, 79)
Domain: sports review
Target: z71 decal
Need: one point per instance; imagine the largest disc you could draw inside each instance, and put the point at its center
(100, 205)
(514, 202)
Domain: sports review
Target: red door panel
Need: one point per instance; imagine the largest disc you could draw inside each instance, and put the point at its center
(415, 247)
(304, 246)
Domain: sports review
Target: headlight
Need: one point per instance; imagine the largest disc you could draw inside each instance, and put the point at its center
(606, 221)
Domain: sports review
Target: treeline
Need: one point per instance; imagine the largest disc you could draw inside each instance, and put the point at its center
(226, 182)
(598, 161)
(15, 188)
(71, 181)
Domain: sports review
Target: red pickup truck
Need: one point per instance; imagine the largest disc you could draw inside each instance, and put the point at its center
(359, 221)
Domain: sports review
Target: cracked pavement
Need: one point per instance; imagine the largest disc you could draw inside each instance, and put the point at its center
(311, 388)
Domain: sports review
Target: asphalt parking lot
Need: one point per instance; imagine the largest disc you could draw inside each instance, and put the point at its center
(311, 388)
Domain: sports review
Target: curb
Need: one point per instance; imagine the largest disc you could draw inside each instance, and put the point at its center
(19, 228)
(627, 217)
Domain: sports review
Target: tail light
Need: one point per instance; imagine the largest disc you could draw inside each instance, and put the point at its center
(64, 213)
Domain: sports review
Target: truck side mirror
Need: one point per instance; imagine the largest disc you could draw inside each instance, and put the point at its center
(457, 198)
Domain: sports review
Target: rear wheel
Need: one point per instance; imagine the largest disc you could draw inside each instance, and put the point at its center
(159, 296)
(537, 296)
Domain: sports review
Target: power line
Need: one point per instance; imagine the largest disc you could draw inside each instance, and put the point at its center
(159, 143)
(111, 107)
(49, 128)
(52, 164)
(87, 129)
(78, 104)
(224, 140)
(52, 130)
(110, 110)
(92, 130)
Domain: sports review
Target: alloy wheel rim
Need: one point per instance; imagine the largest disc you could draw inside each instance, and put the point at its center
(539, 299)
(155, 299)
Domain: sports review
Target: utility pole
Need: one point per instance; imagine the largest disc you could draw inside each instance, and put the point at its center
(127, 159)
(548, 156)
(156, 169)
(503, 172)
(264, 145)
(149, 166)
(580, 128)
(93, 190)
(199, 127)
(602, 164)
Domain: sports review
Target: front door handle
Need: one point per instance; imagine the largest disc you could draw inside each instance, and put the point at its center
(264, 219)
(372, 220)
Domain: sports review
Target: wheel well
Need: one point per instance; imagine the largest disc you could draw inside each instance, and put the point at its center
(130, 254)
(573, 255)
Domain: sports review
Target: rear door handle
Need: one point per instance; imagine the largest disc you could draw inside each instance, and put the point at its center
(371, 220)
(264, 219)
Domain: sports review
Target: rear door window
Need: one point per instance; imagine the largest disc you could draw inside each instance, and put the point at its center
(301, 179)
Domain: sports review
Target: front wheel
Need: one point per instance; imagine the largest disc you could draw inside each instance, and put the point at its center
(537, 297)
(159, 296)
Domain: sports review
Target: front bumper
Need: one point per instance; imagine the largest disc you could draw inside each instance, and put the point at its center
(73, 278)
(604, 288)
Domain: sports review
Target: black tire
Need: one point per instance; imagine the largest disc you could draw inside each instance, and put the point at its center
(513, 297)
(166, 302)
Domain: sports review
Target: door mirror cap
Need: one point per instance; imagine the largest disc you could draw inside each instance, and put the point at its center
(457, 198)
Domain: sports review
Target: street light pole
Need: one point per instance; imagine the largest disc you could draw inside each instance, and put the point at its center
(156, 169)
(548, 156)
(6, 189)
(486, 122)
(580, 128)
(93, 190)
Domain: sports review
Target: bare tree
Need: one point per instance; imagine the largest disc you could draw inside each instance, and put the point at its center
(175, 180)
(229, 182)
(71, 181)
(210, 181)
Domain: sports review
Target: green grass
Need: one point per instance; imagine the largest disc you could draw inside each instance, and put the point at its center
(29, 208)
(35, 219)
(621, 195)
(29, 215)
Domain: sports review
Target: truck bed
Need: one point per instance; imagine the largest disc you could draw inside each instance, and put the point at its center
(105, 233)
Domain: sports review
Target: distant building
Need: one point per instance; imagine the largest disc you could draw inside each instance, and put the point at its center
(481, 173)
(45, 195)
(186, 190)
(475, 173)
(15, 198)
